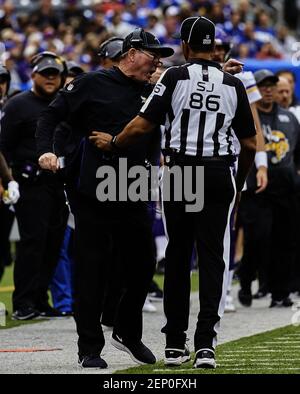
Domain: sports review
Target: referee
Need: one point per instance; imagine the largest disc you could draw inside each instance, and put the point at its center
(200, 105)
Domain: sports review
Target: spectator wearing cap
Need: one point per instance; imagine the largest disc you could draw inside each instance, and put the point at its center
(269, 217)
(101, 100)
(41, 210)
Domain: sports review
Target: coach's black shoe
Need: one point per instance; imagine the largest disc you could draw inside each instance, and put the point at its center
(26, 313)
(260, 294)
(136, 350)
(92, 361)
(48, 311)
(245, 297)
(177, 357)
(67, 313)
(286, 302)
(205, 358)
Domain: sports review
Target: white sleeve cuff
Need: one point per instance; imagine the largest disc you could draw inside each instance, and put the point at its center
(261, 159)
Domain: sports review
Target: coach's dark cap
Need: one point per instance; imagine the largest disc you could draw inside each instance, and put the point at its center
(49, 63)
(198, 31)
(74, 68)
(263, 75)
(111, 48)
(141, 39)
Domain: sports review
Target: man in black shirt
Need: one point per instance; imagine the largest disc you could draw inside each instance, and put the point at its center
(107, 100)
(268, 218)
(41, 211)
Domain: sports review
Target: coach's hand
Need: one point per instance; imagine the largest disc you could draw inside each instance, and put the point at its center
(49, 161)
(233, 66)
(101, 140)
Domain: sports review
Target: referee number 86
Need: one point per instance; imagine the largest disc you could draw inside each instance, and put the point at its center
(211, 101)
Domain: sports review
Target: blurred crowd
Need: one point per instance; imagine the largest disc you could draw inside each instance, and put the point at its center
(263, 29)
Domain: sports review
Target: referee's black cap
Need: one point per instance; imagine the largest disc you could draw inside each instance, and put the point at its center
(198, 31)
(145, 40)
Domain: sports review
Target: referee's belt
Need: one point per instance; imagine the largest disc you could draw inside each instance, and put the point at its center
(175, 158)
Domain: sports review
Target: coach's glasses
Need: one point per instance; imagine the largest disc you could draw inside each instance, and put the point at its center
(154, 58)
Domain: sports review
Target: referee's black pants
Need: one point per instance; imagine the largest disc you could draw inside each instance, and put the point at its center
(210, 230)
(42, 215)
(96, 224)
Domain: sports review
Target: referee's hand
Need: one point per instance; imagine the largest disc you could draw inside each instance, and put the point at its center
(49, 161)
(101, 140)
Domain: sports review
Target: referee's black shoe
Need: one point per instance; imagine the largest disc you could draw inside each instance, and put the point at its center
(138, 352)
(205, 358)
(91, 361)
(176, 357)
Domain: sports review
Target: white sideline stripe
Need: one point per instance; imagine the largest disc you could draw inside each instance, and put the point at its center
(258, 360)
(267, 346)
(247, 369)
(282, 345)
(237, 352)
(219, 365)
(279, 342)
(292, 335)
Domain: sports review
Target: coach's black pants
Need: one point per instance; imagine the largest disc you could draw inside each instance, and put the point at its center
(210, 230)
(96, 226)
(269, 241)
(41, 214)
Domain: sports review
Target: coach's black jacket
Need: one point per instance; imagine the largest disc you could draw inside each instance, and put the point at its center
(103, 101)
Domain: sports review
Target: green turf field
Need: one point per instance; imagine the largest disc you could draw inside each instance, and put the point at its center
(272, 352)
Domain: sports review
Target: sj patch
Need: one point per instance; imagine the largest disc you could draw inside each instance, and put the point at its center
(70, 86)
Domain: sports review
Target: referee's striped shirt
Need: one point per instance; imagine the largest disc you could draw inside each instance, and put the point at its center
(200, 106)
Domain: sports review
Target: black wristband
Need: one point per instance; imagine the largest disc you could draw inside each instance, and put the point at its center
(113, 143)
